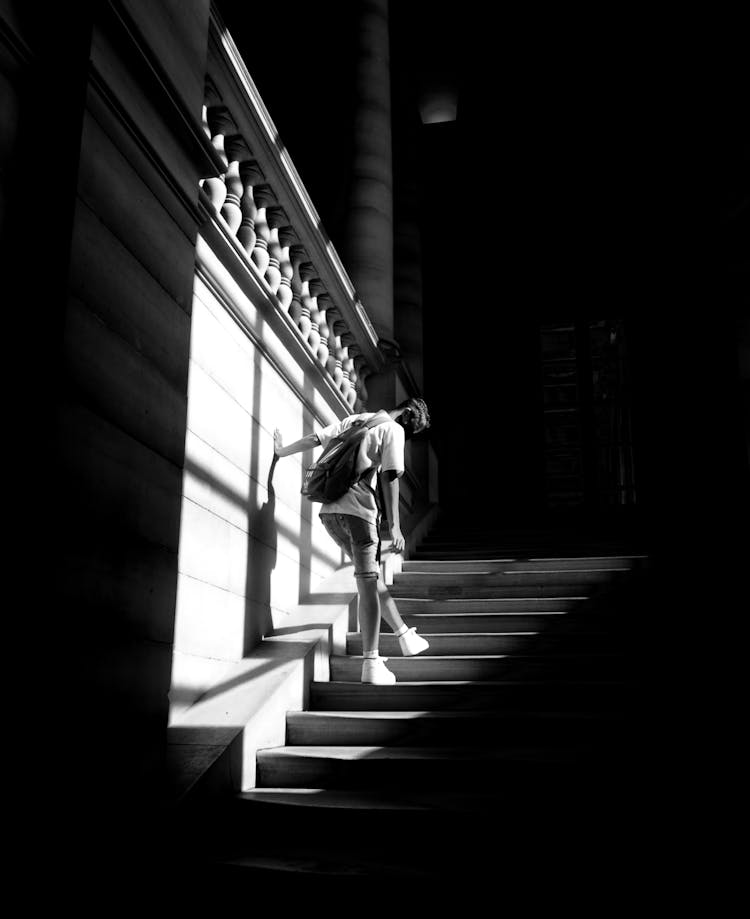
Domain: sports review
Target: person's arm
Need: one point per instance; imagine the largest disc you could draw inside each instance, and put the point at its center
(299, 446)
(391, 490)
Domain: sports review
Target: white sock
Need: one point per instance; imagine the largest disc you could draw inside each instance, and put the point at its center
(402, 631)
(370, 655)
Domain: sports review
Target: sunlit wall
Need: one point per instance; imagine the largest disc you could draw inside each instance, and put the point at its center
(251, 547)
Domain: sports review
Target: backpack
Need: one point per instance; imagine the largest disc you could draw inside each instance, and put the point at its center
(334, 472)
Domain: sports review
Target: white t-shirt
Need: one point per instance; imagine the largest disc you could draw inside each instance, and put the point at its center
(382, 449)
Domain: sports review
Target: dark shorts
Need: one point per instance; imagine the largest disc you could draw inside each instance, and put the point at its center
(358, 538)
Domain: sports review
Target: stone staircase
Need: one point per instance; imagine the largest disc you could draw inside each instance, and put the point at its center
(513, 740)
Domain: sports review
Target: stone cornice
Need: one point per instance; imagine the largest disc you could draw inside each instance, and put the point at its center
(99, 84)
(186, 124)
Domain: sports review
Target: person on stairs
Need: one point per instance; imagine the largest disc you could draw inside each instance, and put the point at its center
(352, 522)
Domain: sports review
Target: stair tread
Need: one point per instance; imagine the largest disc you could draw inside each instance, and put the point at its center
(386, 799)
(336, 798)
(543, 612)
(495, 633)
(418, 714)
(555, 558)
(375, 752)
(454, 634)
(493, 574)
(481, 684)
(447, 622)
(485, 657)
(529, 596)
(302, 859)
(528, 695)
(553, 605)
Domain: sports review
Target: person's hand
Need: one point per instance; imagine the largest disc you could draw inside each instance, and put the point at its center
(278, 442)
(398, 539)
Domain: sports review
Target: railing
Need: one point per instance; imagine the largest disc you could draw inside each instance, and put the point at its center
(261, 202)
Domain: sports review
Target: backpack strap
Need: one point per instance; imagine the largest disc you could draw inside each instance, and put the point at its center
(379, 418)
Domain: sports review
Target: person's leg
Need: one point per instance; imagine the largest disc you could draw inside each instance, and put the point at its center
(369, 613)
(409, 642)
(388, 608)
(373, 665)
(364, 549)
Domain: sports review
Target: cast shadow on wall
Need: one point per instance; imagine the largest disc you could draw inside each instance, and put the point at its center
(262, 542)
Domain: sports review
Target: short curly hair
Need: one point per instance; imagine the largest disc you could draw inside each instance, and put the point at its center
(419, 415)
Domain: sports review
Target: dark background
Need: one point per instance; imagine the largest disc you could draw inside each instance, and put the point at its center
(598, 167)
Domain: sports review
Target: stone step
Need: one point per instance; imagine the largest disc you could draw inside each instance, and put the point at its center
(410, 806)
(428, 581)
(478, 643)
(371, 767)
(302, 869)
(442, 623)
(542, 535)
(519, 553)
(485, 566)
(450, 728)
(326, 800)
(545, 530)
(488, 667)
(545, 543)
(352, 804)
(554, 605)
(493, 591)
(314, 839)
(501, 695)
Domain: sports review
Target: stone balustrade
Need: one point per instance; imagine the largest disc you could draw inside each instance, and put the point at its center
(260, 201)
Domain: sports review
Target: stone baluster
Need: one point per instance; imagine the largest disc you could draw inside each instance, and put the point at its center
(251, 175)
(264, 198)
(335, 359)
(220, 124)
(276, 220)
(347, 389)
(353, 398)
(298, 257)
(287, 237)
(236, 152)
(363, 371)
(307, 274)
(324, 305)
(337, 353)
(210, 100)
(347, 366)
(313, 339)
(355, 391)
(354, 352)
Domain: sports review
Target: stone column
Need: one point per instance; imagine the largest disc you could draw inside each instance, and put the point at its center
(408, 319)
(369, 228)
(408, 322)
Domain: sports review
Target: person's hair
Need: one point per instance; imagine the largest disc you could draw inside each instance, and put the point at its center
(416, 417)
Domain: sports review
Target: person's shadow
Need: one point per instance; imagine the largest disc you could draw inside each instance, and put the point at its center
(261, 561)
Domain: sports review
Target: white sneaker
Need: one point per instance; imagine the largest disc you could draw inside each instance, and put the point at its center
(375, 671)
(411, 643)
